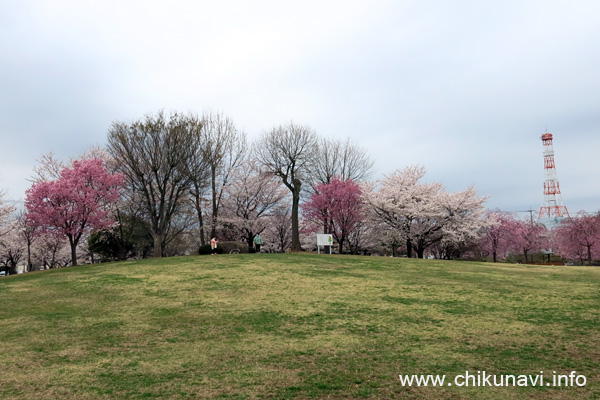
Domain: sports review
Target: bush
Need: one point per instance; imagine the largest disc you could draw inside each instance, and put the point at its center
(205, 249)
(110, 246)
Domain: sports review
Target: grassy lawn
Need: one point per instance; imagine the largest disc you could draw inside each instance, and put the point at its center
(296, 326)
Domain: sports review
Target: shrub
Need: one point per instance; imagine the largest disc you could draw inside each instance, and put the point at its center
(205, 249)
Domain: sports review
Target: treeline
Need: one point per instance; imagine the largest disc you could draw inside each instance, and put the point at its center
(166, 184)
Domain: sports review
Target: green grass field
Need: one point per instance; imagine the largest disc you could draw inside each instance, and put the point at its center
(296, 326)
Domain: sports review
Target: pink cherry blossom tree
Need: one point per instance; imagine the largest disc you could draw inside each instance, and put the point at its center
(338, 207)
(79, 200)
(579, 237)
(496, 237)
(528, 236)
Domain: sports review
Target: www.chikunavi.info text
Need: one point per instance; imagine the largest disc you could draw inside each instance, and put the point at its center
(481, 379)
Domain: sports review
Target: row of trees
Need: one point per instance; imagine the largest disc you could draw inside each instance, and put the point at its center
(172, 161)
(182, 178)
(576, 238)
(165, 184)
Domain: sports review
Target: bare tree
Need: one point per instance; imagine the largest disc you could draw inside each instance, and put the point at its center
(223, 147)
(160, 155)
(198, 196)
(287, 151)
(342, 159)
(28, 234)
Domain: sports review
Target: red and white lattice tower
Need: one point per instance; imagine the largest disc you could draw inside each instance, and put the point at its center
(552, 207)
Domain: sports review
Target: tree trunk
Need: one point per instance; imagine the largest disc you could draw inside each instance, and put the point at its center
(12, 268)
(494, 255)
(200, 218)
(29, 263)
(249, 238)
(73, 243)
(158, 242)
(73, 251)
(327, 249)
(215, 209)
(409, 248)
(295, 231)
(420, 248)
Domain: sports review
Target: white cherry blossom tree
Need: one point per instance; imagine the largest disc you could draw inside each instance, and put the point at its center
(424, 213)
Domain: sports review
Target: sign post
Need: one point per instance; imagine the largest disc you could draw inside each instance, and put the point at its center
(324, 240)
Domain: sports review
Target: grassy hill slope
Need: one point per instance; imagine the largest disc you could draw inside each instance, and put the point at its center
(295, 326)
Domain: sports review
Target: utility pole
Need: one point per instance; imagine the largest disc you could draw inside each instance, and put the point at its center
(530, 211)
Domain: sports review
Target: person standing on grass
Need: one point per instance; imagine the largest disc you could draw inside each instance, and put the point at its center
(257, 242)
(213, 246)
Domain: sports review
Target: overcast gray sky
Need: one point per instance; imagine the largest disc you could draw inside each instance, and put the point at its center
(464, 88)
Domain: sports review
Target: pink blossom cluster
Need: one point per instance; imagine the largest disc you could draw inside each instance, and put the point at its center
(78, 200)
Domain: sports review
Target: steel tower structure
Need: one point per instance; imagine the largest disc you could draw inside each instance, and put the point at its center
(552, 207)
